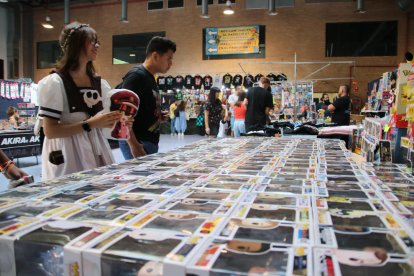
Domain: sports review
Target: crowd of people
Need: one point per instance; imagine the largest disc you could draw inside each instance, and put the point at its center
(72, 116)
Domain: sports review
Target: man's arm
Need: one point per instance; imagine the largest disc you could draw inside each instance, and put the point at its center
(331, 108)
(269, 103)
(137, 149)
(207, 127)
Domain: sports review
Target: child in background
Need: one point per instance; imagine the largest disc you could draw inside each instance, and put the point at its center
(239, 110)
(173, 107)
(181, 119)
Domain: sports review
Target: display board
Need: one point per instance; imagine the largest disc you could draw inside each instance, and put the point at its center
(234, 42)
(17, 144)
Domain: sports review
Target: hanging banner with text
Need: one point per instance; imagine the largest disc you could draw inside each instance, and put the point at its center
(223, 41)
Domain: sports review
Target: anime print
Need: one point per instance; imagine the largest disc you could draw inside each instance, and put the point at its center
(127, 102)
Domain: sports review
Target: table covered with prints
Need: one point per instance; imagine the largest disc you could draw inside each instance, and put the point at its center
(19, 143)
(250, 206)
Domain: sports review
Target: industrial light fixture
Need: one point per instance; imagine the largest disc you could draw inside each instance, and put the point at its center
(4, 1)
(204, 9)
(360, 6)
(228, 10)
(47, 24)
(132, 54)
(272, 7)
(124, 11)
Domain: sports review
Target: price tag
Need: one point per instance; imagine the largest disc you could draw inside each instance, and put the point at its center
(386, 128)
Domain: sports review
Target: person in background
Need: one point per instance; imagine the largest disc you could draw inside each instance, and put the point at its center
(140, 79)
(181, 120)
(9, 169)
(323, 105)
(199, 110)
(232, 101)
(213, 112)
(173, 107)
(259, 104)
(340, 107)
(14, 118)
(70, 104)
(240, 114)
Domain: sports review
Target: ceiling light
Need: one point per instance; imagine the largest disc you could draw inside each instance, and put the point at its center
(124, 11)
(4, 1)
(48, 23)
(132, 54)
(272, 7)
(204, 9)
(228, 10)
(360, 7)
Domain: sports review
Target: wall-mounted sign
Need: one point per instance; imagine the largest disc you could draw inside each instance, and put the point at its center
(233, 42)
(20, 144)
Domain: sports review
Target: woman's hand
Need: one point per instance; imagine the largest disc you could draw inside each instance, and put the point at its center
(207, 131)
(130, 122)
(104, 120)
(165, 115)
(14, 173)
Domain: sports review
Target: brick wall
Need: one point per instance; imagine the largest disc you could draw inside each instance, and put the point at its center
(299, 30)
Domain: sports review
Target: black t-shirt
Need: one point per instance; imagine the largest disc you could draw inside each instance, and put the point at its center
(161, 83)
(341, 114)
(198, 81)
(147, 120)
(179, 82)
(227, 78)
(169, 82)
(258, 77)
(188, 82)
(237, 80)
(248, 81)
(258, 99)
(281, 77)
(207, 82)
(272, 77)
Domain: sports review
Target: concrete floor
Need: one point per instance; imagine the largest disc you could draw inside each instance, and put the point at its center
(32, 165)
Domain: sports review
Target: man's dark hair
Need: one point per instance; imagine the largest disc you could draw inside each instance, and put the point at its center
(346, 89)
(408, 56)
(161, 45)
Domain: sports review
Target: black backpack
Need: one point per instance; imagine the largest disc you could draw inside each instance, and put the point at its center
(121, 84)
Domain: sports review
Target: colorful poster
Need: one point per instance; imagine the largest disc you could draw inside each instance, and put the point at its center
(232, 40)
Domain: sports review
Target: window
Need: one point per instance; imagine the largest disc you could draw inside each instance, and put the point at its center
(130, 48)
(175, 4)
(325, 1)
(264, 4)
(199, 2)
(353, 39)
(48, 53)
(155, 5)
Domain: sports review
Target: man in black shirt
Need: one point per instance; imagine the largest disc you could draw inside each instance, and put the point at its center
(140, 79)
(340, 107)
(259, 103)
